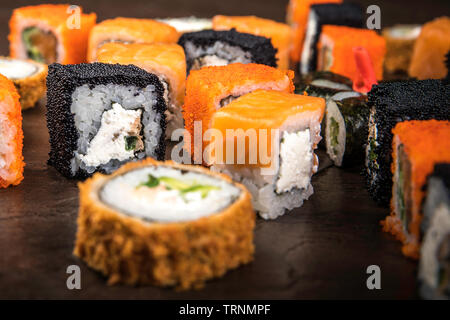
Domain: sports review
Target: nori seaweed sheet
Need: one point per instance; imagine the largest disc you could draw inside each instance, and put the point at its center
(62, 80)
(447, 64)
(395, 102)
(319, 91)
(260, 48)
(345, 14)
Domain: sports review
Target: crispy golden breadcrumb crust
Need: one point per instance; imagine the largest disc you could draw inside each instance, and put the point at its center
(132, 251)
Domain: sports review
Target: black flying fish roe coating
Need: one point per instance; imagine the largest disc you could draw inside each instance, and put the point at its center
(395, 102)
(62, 80)
(260, 48)
(345, 14)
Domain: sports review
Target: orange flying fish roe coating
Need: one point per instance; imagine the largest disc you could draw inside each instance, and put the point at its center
(343, 40)
(279, 33)
(72, 42)
(433, 43)
(425, 143)
(130, 30)
(11, 122)
(297, 18)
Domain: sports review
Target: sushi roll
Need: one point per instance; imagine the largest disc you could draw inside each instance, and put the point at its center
(188, 24)
(335, 50)
(29, 78)
(297, 18)
(433, 43)
(323, 84)
(129, 30)
(11, 135)
(400, 40)
(219, 48)
(390, 103)
(164, 224)
(280, 132)
(102, 115)
(417, 146)
(346, 14)
(279, 33)
(212, 88)
(167, 61)
(434, 268)
(346, 128)
(43, 33)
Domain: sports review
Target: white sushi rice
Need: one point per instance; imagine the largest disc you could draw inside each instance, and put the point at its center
(127, 194)
(335, 151)
(88, 106)
(188, 24)
(308, 44)
(16, 69)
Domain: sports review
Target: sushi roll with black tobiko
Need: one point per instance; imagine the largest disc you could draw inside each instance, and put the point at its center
(434, 266)
(100, 116)
(346, 128)
(345, 14)
(219, 48)
(394, 102)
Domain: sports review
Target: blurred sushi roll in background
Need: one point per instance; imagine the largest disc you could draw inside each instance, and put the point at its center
(335, 50)
(428, 59)
(394, 102)
(167, 61)
(212, 88)
(400, 40)
(42, 33)
(29, 78)
(346, 128)
(188, 24)
(11, 135)
(416, 147)
(219, 48)
(279, 33)
(346, 14)
(102, 115)
(434, 267)
(323, 84)
(129, 30)
(164, 224)
(284, 181)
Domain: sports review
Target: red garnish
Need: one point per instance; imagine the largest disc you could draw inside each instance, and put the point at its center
(366, 74)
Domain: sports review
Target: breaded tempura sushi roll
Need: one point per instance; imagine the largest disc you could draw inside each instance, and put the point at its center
(433, 43)
(50, 33)
(11, 135)
(167, 61)
(164, 224)
(434, 266)
(219, 48)
(390, 103)
(100, 116)
(267, 142)
(417, 146)
(279, 33)
(335, 50)
(129, 30)
(29, 78)
(188, 24)
(211, 88)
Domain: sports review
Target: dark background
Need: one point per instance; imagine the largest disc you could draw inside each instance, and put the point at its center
(320, 250)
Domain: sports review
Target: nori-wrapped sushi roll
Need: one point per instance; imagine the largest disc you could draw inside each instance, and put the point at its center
(102, 115)
(323, 84)
(219, 48)
(394, 102)
(346, 128)
(346, 14)
(434, 266)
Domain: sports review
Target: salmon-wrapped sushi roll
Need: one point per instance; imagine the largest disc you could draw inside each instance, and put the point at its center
(279, 132)
(50, 33)
(11, 135)
(212, 88)
(279, 33)
(129, 30)
(428, 59)
(417, 146)
(167, 61)
(336, 50)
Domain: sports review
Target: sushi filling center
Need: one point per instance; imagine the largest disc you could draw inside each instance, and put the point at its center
(40, 45)
(335, 133)
(118, 137)
(403, 192)
(227, 100)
